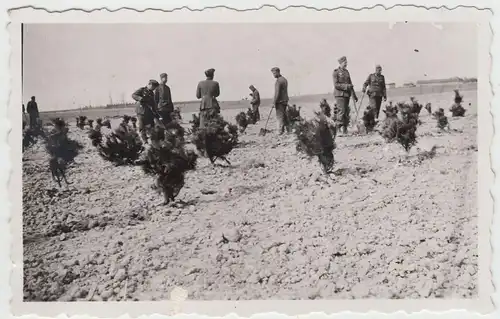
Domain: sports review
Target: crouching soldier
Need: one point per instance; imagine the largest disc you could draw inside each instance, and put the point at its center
(146, 108)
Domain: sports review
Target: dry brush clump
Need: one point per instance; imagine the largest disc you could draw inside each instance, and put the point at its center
(325, 108)
(216, 140)
(168, 160)
(401, 130)
(133, 121)
(368, 118)
(457, 110)
(31, 135)
(293, 115)
(442, 120)
(176, 114)
(195, 123)
(413, 108)
(121, 147)
(100, 123)
(61, 149)
(81, 121)
(242, 120)
(428, 107)
(316, 138)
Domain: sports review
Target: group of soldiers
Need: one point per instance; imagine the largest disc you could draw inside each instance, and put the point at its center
(155, 99)
(374, 87)
(155, 104)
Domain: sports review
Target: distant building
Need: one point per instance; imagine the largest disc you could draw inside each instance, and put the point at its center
(453, 80)
(390, 85)
(409, 85)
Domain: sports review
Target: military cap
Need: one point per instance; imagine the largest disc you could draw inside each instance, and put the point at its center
(154, 82)
(163, 75)
(342, 59)
(275, 69)
(210, 72)
(378, 66)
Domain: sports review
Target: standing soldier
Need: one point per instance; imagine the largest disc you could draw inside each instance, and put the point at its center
(146, 108)
(163, 99)
(280, 100)
(377, 90)
(33, 113)
(208, 91)
(255, 102)
(343, 89)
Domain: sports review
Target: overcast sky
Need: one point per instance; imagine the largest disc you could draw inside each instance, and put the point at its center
(71, 65)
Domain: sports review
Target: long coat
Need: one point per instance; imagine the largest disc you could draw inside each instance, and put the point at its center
(208, 91)
(163, 98)
(32, 108)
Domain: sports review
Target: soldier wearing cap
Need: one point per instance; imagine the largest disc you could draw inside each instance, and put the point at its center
(343, 90)
(146, 108)
(163, 99)
(377, 90)
(208, 90)
(255, 102)
(280, 100)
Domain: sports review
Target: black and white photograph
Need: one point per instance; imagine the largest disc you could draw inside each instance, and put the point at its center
(250, 161)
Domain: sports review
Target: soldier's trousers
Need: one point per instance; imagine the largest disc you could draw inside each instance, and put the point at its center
(206, 115)
(375, 103)
(255, 108)
(343, 111)
(282, 118)
(33, 120)
(145, 125)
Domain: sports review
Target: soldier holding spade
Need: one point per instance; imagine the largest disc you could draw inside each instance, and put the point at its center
(343, 90)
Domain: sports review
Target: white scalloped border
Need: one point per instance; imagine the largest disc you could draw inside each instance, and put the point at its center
(62, 6)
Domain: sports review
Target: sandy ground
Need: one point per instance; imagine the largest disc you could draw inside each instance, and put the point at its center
(382, 226)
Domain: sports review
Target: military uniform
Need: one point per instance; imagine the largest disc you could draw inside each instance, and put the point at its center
(163, 99)
(376, 92)
(208, 91)
(145, 110)
(255, 102)
(343, 90)
(280, 102)
(32, 109)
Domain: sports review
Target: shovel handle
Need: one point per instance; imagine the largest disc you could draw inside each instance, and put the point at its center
(269, 116)
(357, 109)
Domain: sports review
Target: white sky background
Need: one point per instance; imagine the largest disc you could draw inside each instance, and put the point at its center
(69, 66)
